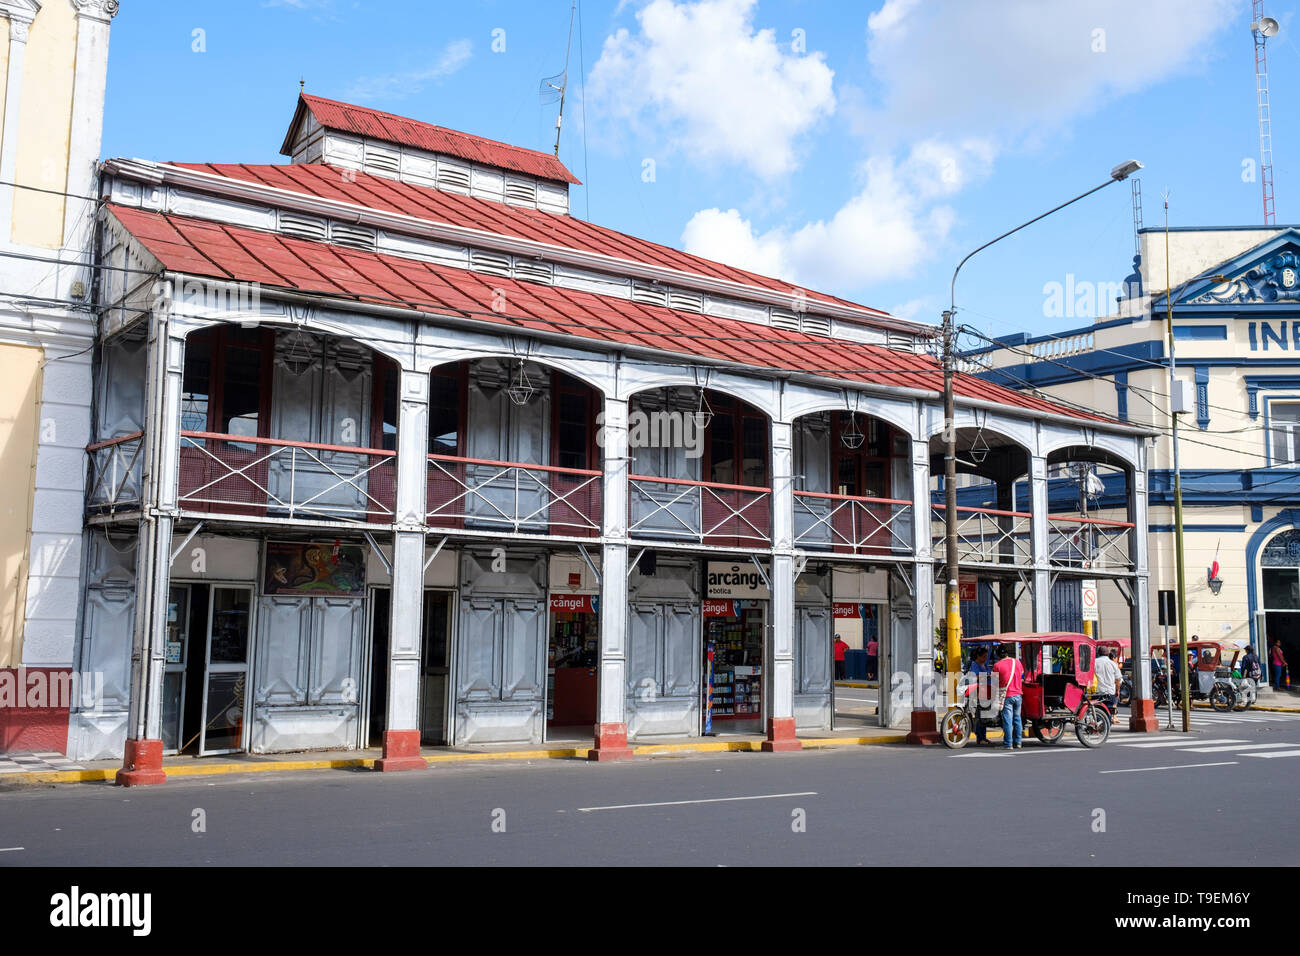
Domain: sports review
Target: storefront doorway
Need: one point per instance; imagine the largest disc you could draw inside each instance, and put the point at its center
(435, 670)
(205, 682)
(571, 665)
(734, 631)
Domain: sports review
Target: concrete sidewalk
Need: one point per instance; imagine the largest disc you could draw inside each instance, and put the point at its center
(104, 771)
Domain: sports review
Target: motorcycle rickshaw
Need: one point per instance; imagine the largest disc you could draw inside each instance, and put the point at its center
(1210, 675)
(1058, 692)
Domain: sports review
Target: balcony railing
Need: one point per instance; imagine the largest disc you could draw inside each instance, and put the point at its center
(115, 472)
(851, 524)
(701, 512)
(276, 478)
(1089, 543)
(987, 535)
(476, 493)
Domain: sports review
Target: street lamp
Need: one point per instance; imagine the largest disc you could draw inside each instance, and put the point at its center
(952, 600)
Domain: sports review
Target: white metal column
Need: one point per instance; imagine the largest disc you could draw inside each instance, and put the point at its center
(18, 28)
(918, 707)
(164, 370)
(779, 653)
(1042, 596)
(1142, 714)
(611, 718)
(402, 721)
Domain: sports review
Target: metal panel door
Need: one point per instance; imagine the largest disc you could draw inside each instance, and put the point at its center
(335, 669)
(501, 671)
(663, 678)
(812, 668)
(283, 639)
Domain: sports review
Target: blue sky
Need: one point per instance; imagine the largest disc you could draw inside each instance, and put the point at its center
(857, 149)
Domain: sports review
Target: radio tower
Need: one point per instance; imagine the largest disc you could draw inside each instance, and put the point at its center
(1261, 28)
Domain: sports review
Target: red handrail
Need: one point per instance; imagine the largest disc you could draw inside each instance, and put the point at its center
(516, 464)
(1074, 520)
(314, 446)
(115, 441)
(880, 501)
(757, 489)
(987, 511)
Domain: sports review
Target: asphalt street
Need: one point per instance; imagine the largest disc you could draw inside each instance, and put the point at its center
(1159, 800)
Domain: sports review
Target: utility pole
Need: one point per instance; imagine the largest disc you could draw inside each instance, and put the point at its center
(1178, 493)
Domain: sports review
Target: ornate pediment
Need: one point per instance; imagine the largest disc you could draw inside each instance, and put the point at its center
(1276, 279)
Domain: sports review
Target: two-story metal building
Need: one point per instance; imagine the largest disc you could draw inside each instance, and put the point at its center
(389, 447)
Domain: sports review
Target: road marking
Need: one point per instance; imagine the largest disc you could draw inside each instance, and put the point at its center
(1178, 766)
(1219, 750)
(679, 803)
(1276, 753)
(1182, 743)
(11, 849)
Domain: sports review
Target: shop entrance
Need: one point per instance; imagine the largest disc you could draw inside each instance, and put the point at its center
(434, 666)
(734, 631)
(205, 681)
(572, 657)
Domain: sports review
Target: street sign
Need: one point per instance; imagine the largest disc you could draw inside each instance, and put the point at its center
(1168, 610)
(1089, 603)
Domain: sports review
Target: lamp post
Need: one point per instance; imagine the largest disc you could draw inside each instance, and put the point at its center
(952, 599)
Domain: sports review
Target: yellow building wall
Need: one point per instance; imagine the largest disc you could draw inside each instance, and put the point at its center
(45, 125)
(20, 389)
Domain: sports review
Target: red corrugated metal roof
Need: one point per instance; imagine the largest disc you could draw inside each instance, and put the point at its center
(375, 124)
(236, 253)
(435, 205)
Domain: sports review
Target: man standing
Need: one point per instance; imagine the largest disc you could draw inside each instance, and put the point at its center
(980, 669)
(1010, 674)
(840, 648)
(1108, 681)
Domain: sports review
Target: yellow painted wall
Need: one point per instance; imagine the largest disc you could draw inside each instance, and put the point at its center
(44, 125)
(20, 389)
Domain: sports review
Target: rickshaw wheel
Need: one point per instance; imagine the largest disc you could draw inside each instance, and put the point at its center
(1222, 698)
(1050, 732)
(1125, 694)
(1242, 703)
(1093, 727)
(955, 728)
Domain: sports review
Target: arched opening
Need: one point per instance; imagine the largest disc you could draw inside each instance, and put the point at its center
(700, 468)
(993, 525)
(1279, 568)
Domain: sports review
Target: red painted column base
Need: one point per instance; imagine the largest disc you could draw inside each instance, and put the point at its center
(780, 736)
(925, 728)
(401, 751)
(1142, 716)
(611, 743)
(141, 764)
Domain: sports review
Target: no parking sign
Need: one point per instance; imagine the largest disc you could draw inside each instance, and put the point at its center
(1089, 603)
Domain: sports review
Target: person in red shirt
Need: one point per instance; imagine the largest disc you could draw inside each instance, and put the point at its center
(1010, 673)
(873, 651)
(840, 648)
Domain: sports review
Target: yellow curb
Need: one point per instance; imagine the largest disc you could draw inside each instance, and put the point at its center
(857, 686)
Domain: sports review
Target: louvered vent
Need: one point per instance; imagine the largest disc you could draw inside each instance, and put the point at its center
(816, 324)
(303, 227)
(520, 193)
(649, 294)
(358, 237)
(492, 263)
(455, 178)
(381, 160)
(785, 320)
(685, 301)
(533, 271)
(900, 342)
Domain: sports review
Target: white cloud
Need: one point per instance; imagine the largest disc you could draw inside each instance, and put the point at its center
(700, 75)
(1016, 67)
(391, 86)
(882, 233)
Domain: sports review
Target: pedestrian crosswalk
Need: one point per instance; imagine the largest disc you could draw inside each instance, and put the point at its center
(1238, 748)
(1213, 718)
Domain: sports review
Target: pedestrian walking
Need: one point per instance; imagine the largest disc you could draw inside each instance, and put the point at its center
(1108, 680)
(1010, 674)
(840, 648)
(1277, 667)
(873, 649)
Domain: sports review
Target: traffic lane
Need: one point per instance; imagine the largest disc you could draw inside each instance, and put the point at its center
(872, 805)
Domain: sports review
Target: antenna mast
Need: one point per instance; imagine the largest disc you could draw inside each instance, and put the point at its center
(554, 87)
(1261, 28)
(1137, 215)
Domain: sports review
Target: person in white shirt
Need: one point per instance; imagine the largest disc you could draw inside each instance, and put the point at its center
(1108, 681)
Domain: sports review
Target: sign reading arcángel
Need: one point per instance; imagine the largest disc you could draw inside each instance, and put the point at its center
(739, 580)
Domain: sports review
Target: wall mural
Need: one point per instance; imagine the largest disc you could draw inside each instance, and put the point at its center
(308, 568)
